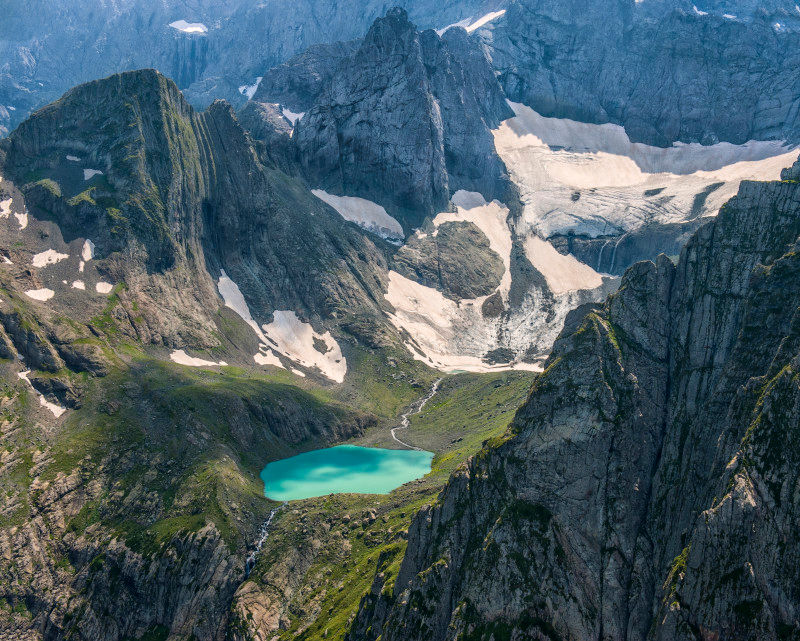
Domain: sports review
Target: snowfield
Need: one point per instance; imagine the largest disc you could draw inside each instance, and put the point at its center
(364, 213)
(562, 273)
(296, 340)
(451, 336)
(591, 179)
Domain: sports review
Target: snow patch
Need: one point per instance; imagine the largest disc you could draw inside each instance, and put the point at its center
(182, 358)
(234, 299)
(296, 340)
(47, 257)
(292, 116)
(444, 334)
(88, 174)
(189, 27)
(78, 284)
(363, 213)
(73, 158)
(40, 294)
(7, 260)
(81, 266)
(5, 207)
(470, 24)
(103, 288)
(57, 410)
(484, 20)
(87, 252)
(288, 335)
(22, 219)
(267, 358)
(250, 90)
(562, 273)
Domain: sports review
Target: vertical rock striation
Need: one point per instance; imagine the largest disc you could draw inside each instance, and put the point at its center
(647, 489)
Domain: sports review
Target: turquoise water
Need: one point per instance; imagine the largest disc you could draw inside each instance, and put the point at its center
(344, 468)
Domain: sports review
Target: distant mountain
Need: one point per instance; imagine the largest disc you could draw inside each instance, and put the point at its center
(210, 48)
(665, 71)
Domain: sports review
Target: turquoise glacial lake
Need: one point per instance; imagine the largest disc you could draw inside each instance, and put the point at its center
(344, 468)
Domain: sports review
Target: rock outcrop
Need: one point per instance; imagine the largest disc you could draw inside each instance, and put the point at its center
(215, 47)
(405, 122)
(647, 488)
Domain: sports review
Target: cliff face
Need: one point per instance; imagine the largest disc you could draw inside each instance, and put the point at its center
(730, 74)
(646, 488)
(405, 121)
(174, 198)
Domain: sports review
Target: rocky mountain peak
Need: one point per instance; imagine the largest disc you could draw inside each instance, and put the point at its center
(613, 506)
(405, 121)
(392, 34)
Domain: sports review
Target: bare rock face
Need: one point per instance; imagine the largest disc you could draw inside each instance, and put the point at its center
(646, 490)
(457, 261)
(713, 72)
(405, 121)
(46, 47)
(298, 82)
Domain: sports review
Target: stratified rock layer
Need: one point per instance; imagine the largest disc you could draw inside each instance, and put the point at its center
(647, 489)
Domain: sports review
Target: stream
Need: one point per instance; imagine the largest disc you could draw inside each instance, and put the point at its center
(415, 409)
(263, 533)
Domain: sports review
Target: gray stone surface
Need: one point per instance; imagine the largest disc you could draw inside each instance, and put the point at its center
(646, 489)
(405, 122)
(48, 46)
(659, 69)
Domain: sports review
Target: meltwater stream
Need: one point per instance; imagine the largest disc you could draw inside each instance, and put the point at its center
(348, 468)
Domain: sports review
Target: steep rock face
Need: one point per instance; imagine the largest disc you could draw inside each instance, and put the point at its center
(180, 197)
(297, 82)
(457, 261)
(405, 122)
(709, 77)
(145, 529)
(640, 492)
(47, 47)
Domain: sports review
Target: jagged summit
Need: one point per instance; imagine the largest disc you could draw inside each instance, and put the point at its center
(405, 122)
